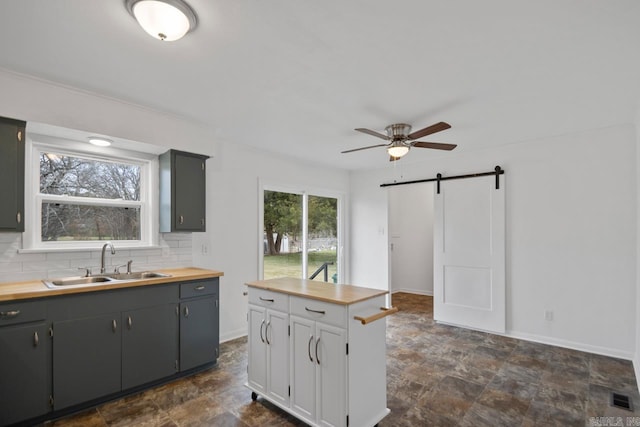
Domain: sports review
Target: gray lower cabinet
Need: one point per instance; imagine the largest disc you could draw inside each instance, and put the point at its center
(198, 332)
(24, 371)
(199, 323)
(71, 351)
(86, 359)
(149, 344)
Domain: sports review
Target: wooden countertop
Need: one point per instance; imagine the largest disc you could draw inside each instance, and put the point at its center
(36, 289)
(323, 291)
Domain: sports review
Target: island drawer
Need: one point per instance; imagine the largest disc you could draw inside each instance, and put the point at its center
(198, 288)
(269, 299)
(325, 312)
(12, 313)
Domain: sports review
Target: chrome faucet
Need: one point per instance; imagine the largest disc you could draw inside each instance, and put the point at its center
(104, 248)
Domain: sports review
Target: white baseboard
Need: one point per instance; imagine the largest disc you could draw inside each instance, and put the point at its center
(605, 351)
(232, 335)
(413, 291)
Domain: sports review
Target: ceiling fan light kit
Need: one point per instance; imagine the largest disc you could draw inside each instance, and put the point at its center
(166, 20)
(401, 139)
(398, 150)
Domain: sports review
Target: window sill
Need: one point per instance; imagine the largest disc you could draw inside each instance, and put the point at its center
(87, 249)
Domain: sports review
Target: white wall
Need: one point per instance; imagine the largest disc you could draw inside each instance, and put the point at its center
(231, 240)
(636, 359)
(232, 237)
(35, 100)
(571, 233)
(411, 238)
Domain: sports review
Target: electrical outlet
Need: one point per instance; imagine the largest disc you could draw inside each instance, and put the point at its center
(204, 249)
(548, 315)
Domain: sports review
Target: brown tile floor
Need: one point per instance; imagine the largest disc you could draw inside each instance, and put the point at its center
(437, 376)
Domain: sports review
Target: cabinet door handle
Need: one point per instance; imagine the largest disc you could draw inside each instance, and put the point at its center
(18, 217)
(317, 358)
(186, 311)
(266, 332)
(114, 325)
(19, 135)
(36, 339)
(12, 313)
(181, 219)
(199, 288)
(315, 311)
(261, 325)
(266, 299)
(129, 322)
(309, 348)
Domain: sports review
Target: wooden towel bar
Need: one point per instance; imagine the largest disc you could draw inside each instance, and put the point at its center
(385, 312)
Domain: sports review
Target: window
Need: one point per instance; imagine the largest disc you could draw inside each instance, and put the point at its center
(301, 235)
(79, 198)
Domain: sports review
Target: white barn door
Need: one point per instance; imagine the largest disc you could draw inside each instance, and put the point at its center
(469, 254)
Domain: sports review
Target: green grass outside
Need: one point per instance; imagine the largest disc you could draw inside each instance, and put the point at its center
(290, 265)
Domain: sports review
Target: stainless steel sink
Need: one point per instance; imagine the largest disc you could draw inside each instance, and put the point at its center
(103, 278)
(137, 275)
(71, 281)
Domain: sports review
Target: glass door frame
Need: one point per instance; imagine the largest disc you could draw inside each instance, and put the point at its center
(305, 193)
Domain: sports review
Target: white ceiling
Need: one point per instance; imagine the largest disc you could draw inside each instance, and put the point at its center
(296, 76)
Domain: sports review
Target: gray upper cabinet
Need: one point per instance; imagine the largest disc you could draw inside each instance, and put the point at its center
(182, 191)
(12, 174)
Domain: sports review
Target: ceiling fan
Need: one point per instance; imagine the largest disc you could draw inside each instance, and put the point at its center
(401, 140)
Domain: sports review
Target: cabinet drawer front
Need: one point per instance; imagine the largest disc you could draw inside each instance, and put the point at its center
(20, 312)
(269, 299)
(326, 312)
(196, 289)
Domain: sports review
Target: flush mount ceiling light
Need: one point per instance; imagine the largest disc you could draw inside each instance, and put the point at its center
(100, 141)
(166, 20)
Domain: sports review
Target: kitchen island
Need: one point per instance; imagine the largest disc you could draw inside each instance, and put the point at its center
(317, 350)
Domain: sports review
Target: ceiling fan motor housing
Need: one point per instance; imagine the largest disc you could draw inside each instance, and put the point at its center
(398, 131)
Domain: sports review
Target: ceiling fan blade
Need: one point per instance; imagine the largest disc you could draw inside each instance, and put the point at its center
(365, 148)
(438, 127)
(373, 133)
(393, 159)
(434, 145)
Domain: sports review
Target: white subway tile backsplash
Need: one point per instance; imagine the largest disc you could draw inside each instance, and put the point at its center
(174, 252)
(10, 237)
(53, 256)
(10, 267)
(23, 276)
(45, 265)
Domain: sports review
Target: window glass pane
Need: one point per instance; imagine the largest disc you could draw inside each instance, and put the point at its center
(322, 240)
(75, 176)
(282, 235)
(67, 222)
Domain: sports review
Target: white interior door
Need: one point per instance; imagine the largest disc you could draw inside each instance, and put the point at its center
(469, 253)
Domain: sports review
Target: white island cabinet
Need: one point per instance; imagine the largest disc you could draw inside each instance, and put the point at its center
(318, 351)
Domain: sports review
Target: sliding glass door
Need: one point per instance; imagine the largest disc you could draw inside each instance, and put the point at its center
(300, 236)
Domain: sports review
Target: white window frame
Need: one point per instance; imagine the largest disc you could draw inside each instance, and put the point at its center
(305, 193)
(148, 203)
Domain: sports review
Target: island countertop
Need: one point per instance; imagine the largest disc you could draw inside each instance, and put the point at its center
(322, 291)
(11, 291)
